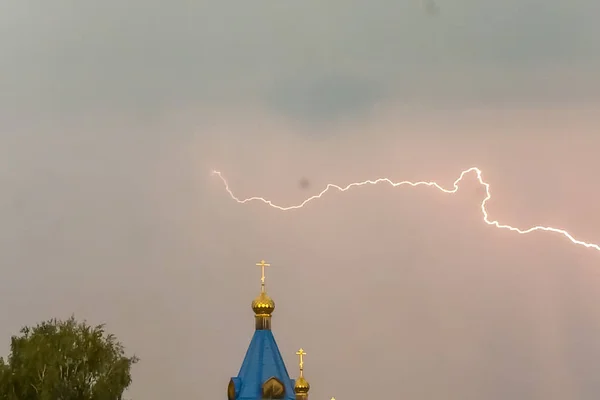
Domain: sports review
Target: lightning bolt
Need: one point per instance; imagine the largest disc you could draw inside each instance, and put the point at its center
(455, 188)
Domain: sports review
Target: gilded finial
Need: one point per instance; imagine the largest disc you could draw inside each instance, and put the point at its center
(262, 264)
(300, 353)
(302, 386)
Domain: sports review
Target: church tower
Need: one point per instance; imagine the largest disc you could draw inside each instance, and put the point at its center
(263, 374)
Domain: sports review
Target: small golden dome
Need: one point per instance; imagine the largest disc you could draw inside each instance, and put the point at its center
(263, 304)
(301, 386)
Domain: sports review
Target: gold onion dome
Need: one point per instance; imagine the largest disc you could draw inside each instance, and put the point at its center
(263, 304)
(302, 385)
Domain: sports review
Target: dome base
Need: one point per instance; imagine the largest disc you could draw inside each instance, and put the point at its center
(262, 322)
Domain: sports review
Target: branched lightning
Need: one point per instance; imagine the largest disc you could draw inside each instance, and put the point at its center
(456, 184)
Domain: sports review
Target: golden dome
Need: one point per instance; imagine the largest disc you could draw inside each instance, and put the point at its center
(301, 386)
(263, 304)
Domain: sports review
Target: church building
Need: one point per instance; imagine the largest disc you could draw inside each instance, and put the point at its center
(263, 374)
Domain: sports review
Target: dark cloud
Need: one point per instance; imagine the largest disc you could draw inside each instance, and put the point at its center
(431, 7)
(325, 98)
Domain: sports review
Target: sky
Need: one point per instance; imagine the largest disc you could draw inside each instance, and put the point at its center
(113, 116)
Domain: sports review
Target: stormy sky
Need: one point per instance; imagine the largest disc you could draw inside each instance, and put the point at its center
(112, 116)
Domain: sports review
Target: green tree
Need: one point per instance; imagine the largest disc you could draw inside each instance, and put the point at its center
(65, 360)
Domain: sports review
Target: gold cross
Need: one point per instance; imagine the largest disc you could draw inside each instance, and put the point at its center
(301, 355)
(262, 264)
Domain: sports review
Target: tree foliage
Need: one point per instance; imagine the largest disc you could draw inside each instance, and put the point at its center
(65, 360)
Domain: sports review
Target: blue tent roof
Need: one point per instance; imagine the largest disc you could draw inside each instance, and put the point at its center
(263, 361)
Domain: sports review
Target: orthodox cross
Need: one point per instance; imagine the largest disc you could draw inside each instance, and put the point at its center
(262, 264)
(301, 355)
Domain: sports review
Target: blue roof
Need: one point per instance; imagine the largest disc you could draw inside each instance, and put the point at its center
(263, 361)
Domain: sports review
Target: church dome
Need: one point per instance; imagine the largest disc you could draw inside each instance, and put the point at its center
(301, 386)
(263, 304)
